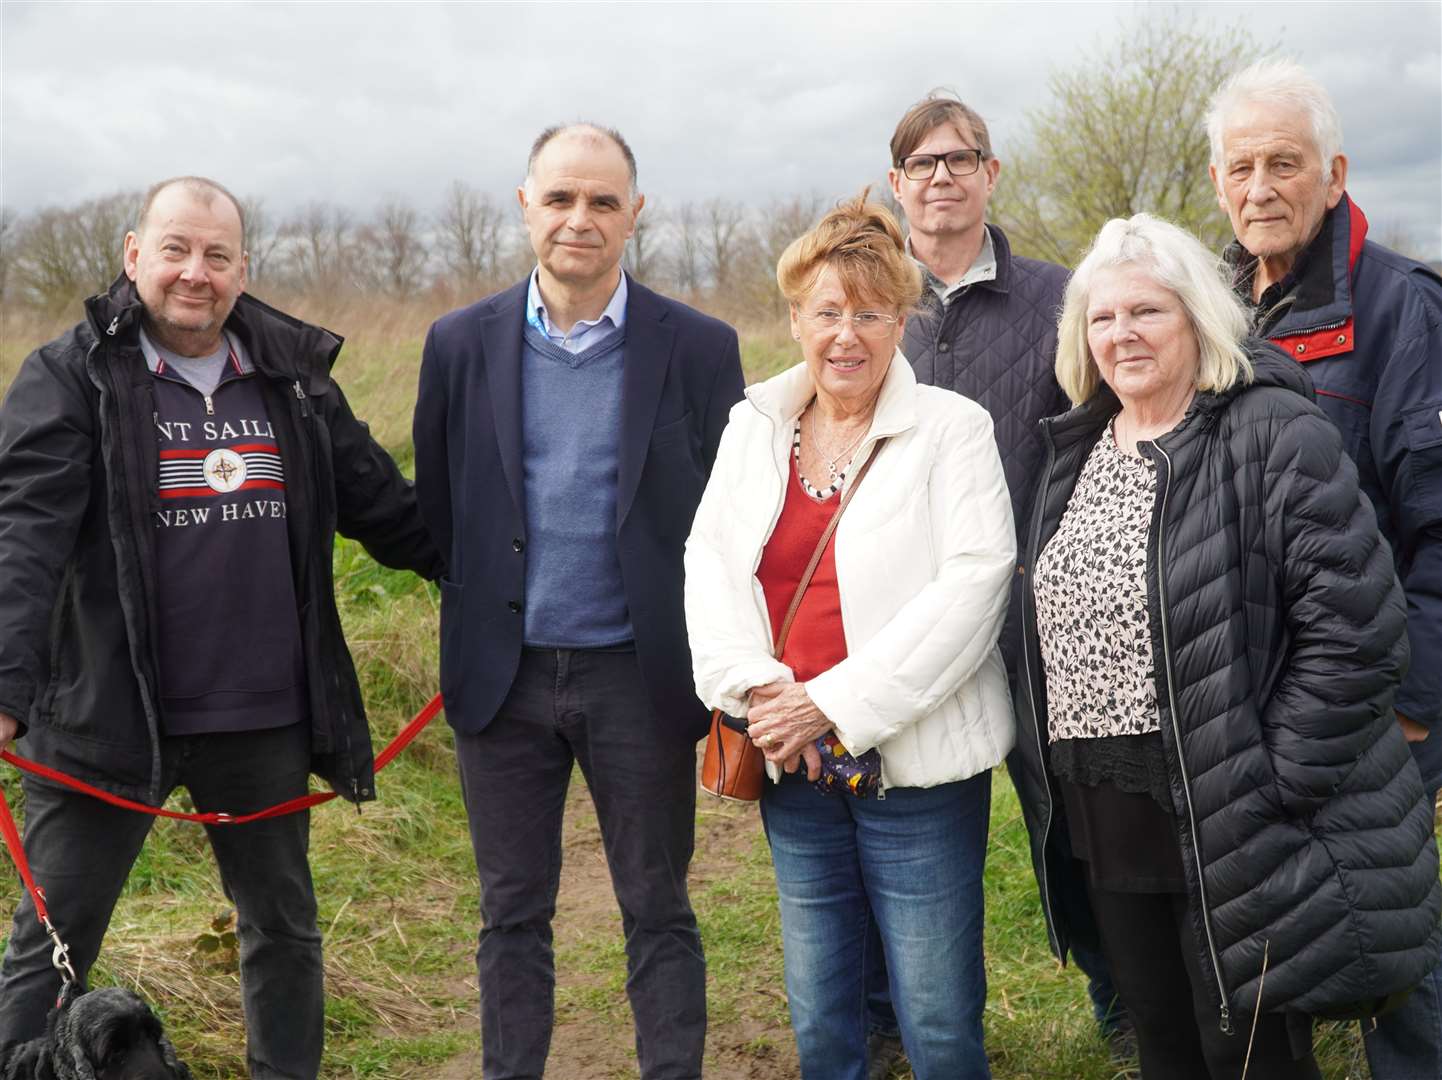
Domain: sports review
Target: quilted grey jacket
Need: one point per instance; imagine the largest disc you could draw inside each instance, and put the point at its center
(1277, 625)
(995, 342)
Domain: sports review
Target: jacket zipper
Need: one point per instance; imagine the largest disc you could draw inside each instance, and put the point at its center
(1226, 1013)
(1033, 542)
(318, 507)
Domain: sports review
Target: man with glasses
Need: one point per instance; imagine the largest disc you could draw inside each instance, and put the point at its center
(986, 329)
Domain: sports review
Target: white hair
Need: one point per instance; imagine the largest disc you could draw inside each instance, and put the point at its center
(1277, 81)
(1177, 261)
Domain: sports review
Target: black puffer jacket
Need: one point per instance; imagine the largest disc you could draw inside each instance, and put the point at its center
(78, 466)
(1277, 628)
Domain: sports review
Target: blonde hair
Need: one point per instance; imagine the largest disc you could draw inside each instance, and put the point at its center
(862, 242)
(1177, 261)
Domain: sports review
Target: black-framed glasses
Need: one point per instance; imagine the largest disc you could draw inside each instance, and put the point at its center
(958, 163)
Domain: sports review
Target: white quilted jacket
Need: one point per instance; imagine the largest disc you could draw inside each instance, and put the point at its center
(924, 558)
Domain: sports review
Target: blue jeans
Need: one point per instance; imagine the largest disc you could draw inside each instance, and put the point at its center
(913, 860)
(1407, 1044)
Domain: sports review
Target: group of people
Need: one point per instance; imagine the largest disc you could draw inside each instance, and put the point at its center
(1159, 532)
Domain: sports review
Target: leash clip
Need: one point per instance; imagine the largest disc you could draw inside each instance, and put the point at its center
(60, 955)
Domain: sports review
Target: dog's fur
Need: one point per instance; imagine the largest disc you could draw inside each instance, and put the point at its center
(108, 1034)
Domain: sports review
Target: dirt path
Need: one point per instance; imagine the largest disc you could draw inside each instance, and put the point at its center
(590, 1046)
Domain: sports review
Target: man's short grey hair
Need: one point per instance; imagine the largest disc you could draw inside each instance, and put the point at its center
(1277, 81)
(595, 131)
(1177, 261)
(202, 187)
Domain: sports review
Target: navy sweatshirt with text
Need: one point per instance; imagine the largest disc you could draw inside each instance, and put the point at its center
(229, 633)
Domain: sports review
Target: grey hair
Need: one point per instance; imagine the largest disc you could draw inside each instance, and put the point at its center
(596, 131)
(1277, 81)
(1177, 261)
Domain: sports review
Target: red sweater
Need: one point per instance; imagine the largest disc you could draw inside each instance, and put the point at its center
(817, 641)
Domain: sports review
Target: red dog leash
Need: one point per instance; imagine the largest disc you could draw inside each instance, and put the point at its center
(61, 956)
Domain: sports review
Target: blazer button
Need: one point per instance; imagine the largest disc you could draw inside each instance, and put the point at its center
(518, 544)
(514, 605)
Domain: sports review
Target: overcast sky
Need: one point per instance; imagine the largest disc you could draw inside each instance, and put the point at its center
(355, 102)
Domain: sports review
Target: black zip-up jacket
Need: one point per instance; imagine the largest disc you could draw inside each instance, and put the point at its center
(78, 473)
(1277, 625)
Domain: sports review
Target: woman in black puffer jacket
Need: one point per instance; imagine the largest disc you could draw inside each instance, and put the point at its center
(1207, 756)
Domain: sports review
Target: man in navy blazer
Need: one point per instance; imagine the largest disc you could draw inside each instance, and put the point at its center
(564, 431)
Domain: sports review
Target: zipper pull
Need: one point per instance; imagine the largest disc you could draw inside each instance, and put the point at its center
(300, 396)
(1226, 1024)
(209, 408)
(110, 330)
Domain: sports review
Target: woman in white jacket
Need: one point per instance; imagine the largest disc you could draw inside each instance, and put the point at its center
(891, 668)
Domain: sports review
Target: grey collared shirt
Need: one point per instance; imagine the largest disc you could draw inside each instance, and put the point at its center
(983, 268)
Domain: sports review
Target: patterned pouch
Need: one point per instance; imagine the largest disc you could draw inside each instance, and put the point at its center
(840, 772)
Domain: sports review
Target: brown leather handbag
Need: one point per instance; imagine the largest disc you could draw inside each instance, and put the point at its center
(734, 768)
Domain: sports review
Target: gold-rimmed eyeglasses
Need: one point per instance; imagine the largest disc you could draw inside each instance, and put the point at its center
(864, 323)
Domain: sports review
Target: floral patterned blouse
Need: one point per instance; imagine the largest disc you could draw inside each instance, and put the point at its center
(1091, 602)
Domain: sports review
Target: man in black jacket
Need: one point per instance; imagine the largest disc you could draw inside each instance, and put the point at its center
(172, 474)
(986, 329)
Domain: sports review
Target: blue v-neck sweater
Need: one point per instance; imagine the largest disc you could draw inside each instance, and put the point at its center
(571, 424)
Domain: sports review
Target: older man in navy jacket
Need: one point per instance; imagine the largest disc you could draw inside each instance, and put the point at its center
(564, 432)
(1367, 324)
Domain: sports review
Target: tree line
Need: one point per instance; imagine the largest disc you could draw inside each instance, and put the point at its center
(719, 251)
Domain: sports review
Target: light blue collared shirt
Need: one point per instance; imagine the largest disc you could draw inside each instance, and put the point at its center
(584, 334)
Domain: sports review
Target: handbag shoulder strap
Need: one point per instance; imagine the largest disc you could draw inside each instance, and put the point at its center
(826, 535)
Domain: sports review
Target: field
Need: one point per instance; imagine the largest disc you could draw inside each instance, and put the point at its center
(397, 887)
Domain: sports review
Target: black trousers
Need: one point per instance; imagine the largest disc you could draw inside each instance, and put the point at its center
(1150, 948)
(588, 707)
(82, 850)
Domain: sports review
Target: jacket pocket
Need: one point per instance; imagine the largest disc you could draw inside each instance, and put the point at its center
(451, 635)
(1423, 426)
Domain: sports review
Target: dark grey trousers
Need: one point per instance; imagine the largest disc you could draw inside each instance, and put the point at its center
(591, 707)
(82, 850)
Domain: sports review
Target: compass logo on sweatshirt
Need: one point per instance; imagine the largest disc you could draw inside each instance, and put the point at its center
(224, 470)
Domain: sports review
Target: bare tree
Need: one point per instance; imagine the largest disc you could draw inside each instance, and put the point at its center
(724, 238)
(318, 243)
(779, 223)
(8, 235)
(643, 252)
(262, 238)
(64, 254)
(390, 256)
(1122, 134)
(687, 260)
(469, 233)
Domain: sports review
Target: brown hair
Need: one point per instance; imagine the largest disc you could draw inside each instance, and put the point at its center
(202, 187)
(937, 108)
(863, 243)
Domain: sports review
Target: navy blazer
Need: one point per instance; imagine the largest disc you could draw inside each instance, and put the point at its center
(682, 374)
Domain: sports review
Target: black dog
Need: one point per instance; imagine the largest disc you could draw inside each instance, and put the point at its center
(106, 1034)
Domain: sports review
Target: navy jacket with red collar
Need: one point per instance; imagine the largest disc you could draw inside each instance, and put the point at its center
(1367, 323)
